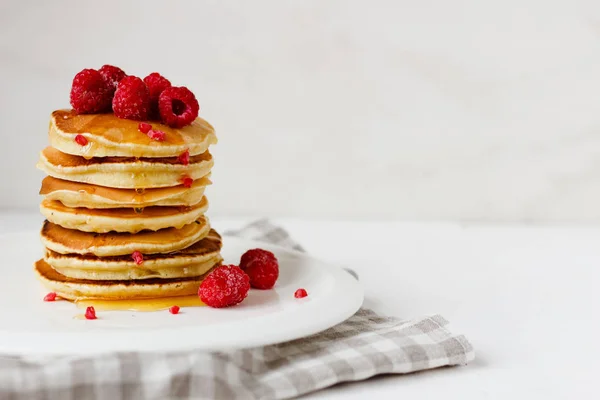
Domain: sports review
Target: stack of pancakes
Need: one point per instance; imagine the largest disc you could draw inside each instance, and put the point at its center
(122, 193)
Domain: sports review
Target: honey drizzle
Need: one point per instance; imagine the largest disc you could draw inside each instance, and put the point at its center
(117, 130)
(141, 305)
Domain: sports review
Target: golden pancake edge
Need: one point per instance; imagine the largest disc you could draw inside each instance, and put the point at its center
(191, 261)
(72, 241)
(130, 220)
(123, 172)
(77, 194)
(79, 289)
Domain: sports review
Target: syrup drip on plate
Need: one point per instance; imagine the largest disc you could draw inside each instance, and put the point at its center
(142, 305)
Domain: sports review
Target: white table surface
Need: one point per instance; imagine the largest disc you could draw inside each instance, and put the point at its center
(525, 296)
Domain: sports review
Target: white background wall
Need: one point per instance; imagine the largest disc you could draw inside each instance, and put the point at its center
(461, 110)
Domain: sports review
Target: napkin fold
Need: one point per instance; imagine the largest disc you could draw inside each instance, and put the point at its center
(365, 345)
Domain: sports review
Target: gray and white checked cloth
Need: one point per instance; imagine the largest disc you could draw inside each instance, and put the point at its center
(361, 347)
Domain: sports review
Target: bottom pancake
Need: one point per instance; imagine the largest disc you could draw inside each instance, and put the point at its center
(76, 289)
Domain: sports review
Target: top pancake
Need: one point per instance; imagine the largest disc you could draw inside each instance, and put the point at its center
(109, 136)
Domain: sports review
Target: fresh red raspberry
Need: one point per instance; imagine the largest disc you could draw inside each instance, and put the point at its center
(255, 254)
(262, 268)
(226, 286)
(157, 135)
(178, 106)
(174, 310)
(144, 127)
(81, 140)
(90, 93)
(156, 84)
(50, 296)
(300, 293)
(132, 100)
(112, 76)
(137, 257)
(184, 157)
(90, 313)
(187, 181)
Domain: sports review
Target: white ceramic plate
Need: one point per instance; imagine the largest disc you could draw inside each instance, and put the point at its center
(30, 326)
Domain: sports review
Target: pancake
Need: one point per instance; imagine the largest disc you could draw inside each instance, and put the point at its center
(191, 269)
(75, 194)
(121, 219)
(109, 136)
(123, 172)
(78, 289)
(70, 241)
(192, 261)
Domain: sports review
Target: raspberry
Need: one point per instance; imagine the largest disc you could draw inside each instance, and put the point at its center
(157, 135)
(81, 140)
(174, 310)
(184, 157)
(132, 100)
(226, 286)
(156, 84)
(137, 257)
(90, 313)
(112, 76)
(255, 254)
(187, 181)
(90, 93)
(178, 106)
(50, 296)
(262, 268)
(144, 127)
(300, 293)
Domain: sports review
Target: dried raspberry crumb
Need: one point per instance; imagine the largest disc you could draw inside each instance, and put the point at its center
(112, 76)
(226, 286)
(132, 100)
(262, 268)
(184, 157)
(144, 127)
(157, 135)
(187, 182)
(174, 310)
(137, 257)
(90, 313)
(156, 84)
(300, 293)
(90, 93)
(178, 106)
(50, 296)
(81, 140)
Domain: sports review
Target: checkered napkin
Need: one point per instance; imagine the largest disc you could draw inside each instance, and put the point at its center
(363, 346)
